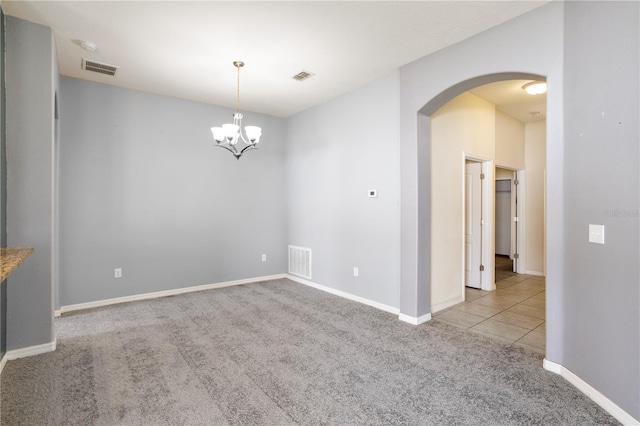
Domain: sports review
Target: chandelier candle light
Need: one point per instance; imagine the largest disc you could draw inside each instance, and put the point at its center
(227, 136)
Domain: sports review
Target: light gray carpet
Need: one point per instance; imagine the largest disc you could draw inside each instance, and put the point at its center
(279, 353)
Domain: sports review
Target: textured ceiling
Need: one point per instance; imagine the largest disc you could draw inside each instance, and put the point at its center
(186, 49)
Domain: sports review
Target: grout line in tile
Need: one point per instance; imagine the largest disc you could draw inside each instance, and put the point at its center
(498, 291)
(531, 331)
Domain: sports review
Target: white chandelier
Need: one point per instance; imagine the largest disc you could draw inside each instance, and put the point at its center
(227, 136)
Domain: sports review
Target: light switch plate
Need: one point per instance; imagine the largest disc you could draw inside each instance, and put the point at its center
(596, 234)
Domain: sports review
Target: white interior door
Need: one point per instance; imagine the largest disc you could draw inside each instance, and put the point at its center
(473, 228)
(503, 217)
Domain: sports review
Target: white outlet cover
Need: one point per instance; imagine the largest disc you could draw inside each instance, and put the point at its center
(373, 193)
(596, 234)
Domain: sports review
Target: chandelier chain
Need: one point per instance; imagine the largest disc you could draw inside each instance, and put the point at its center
(238, 90)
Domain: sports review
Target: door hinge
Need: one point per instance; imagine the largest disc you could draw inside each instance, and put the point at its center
(481, 176)
(516, 182)
(481, 268)
(516, 256)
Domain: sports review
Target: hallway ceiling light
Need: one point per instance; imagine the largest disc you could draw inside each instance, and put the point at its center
(227, 136)
(535, 88)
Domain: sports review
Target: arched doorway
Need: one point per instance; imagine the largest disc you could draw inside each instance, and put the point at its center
(416, 216)
(472, 133)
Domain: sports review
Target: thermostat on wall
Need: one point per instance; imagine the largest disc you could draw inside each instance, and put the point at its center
(373, 193)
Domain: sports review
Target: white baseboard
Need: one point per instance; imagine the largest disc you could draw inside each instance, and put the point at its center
(25, 352)
(584, 387)
(344, 294)
(538, 273)
(31, 351)
(173, 292)
(551, 366)
(447, 304)
(154, 295)
(414, 320)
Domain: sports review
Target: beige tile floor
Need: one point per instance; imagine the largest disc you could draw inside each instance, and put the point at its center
(514, 313)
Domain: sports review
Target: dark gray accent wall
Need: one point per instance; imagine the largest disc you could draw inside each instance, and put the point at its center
(29, 133)
(143, 188)
(601, 309)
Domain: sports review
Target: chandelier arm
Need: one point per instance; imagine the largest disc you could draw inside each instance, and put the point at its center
(246, 142)
(248, 147)
(231, 149)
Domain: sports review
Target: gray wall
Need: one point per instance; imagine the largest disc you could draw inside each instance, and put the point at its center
(335, 153)
(601, 327)
(134, 165)
(3, 194)
(55, 256)
(591, 167)
(29, 128)
(3, 145)
(429, 83)
(143, 188)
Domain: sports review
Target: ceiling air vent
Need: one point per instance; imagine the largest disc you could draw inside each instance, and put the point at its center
(303, 75)
(99, 67)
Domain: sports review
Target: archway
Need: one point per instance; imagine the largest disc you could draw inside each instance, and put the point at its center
(416, 248)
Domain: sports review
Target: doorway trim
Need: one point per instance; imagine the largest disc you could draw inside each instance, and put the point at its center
(520, 225)
(487, 277)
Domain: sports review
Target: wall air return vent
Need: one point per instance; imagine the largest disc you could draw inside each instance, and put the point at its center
(300, 261)
(303, 75)
(98, 67)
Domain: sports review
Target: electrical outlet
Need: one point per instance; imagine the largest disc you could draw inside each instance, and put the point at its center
(355, 271)
(117, 273)
(264, 257)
